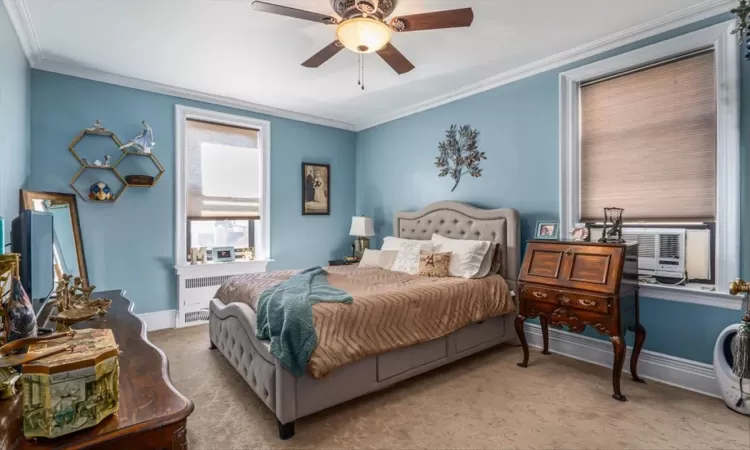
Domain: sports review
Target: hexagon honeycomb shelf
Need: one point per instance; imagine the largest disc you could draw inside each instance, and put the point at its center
(115, 195)
(98, 130)
(152, 158)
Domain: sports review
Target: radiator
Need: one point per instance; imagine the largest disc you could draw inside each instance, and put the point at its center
(197, 284)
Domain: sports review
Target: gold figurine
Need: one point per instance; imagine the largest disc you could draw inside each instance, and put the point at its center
(739, 286)
(74, 303)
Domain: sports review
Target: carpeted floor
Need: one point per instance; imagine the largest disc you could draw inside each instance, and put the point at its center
(485, 401)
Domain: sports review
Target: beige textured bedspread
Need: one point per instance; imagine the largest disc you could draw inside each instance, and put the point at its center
(391, 310)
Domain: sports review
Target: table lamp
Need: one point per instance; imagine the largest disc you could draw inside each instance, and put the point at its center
(361, 228)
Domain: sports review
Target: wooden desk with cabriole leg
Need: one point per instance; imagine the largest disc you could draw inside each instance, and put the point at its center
(579, 284)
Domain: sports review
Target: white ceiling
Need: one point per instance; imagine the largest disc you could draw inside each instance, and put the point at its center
(224, 48)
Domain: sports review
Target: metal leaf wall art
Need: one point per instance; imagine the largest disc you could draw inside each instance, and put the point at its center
(459, 154)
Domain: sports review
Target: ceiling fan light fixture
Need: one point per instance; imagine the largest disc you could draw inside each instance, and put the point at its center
(363, 35)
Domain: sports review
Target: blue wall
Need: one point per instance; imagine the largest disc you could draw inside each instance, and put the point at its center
(14, 120)
(130, 244)
(519, 126)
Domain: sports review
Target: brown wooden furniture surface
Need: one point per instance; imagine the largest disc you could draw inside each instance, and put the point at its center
(579, 284)
(152, 414)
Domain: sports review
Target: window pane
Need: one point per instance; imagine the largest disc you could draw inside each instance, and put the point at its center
(221, 233)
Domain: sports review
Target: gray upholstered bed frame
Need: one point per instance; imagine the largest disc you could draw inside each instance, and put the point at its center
(232, 327)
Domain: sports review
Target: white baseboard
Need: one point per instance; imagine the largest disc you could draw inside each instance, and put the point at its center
(683, 373)
(159, 320)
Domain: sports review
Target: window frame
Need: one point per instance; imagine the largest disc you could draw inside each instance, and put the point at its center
(262, 235)
(727, 70)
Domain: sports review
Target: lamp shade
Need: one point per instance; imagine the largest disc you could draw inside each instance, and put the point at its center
(362, 226)
(363, 35)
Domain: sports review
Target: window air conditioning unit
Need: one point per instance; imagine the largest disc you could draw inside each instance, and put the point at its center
(661, 251)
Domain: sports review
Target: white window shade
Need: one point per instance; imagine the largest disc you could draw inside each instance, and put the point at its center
(648, 142)
(224, 171)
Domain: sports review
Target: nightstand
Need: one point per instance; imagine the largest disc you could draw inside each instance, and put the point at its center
(342, 262)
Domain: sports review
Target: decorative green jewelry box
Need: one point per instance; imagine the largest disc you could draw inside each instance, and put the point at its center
(72, 390)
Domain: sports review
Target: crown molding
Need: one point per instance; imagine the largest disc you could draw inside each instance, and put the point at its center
(22, 23)
(654, 27)
(158, 88)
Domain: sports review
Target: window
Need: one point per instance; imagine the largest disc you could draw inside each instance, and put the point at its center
(223, 195)
(656, 131)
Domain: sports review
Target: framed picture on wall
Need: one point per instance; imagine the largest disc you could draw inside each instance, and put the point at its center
(316, 189)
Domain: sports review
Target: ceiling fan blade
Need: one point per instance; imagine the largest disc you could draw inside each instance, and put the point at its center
(452, 18)
(324, 55)
(294, 12)
(395, 59)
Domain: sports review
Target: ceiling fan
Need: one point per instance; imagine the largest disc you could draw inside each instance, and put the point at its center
(363, 27)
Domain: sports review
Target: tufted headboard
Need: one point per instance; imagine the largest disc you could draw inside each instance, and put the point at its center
(462, 221)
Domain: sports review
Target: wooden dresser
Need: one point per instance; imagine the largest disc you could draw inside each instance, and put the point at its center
(579, 284)
(152, 415)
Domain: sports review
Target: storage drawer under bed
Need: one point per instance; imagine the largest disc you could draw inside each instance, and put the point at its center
(399, 361)
(479, 333)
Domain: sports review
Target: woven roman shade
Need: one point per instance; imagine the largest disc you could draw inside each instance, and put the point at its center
(648, 142)
(223, 171)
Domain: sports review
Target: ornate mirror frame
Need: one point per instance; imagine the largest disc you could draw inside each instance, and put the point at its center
(27, 202)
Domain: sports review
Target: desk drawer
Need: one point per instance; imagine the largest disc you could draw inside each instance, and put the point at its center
(539, 294)
(587, 302)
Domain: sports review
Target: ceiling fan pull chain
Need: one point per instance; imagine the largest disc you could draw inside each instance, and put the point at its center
(363, 72)
(359, 69)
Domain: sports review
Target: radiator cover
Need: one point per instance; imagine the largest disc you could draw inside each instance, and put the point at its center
(197, 284)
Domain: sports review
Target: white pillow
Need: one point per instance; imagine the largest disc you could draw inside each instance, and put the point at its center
(370, 258)
(468, 258)
(394, 243)
(407, 258)
(387, 258)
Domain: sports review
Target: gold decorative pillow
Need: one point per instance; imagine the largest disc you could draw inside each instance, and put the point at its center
(433, 264)
(497, 259)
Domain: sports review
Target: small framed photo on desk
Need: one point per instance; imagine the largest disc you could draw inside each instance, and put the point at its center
(547, 230)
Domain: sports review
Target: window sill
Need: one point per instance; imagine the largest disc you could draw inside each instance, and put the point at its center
(692, 293)
(208, 269)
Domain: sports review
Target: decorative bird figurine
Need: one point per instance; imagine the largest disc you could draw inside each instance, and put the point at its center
(144, 142)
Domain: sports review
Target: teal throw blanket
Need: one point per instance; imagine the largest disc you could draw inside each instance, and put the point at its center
(285, 316)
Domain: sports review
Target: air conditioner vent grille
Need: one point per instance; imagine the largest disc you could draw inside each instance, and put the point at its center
(202, 282)
(669, 246)
(646, 244)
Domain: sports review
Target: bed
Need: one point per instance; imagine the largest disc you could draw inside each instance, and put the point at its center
(232, 326)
